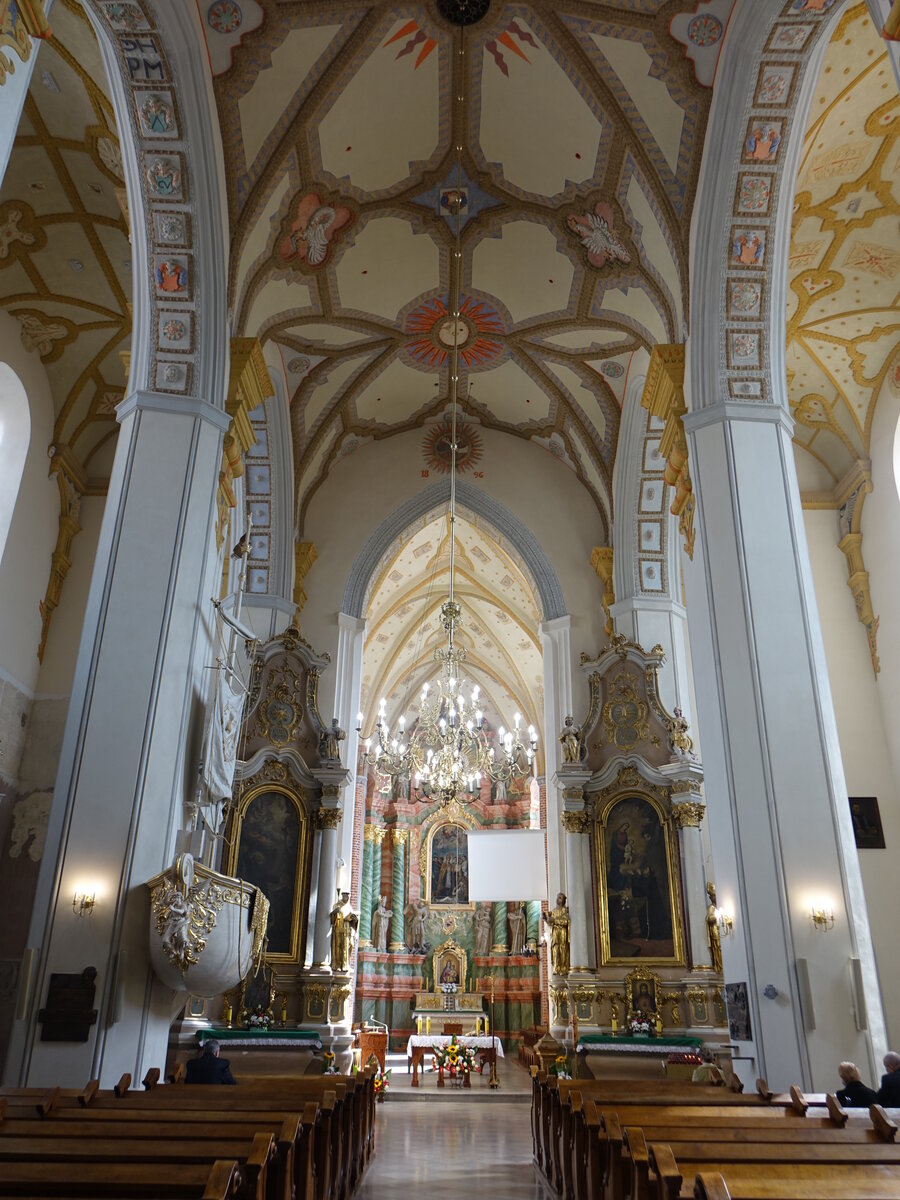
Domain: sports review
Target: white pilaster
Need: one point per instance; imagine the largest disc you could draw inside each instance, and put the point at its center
(326, 890)
(347, 692)
(557, 663)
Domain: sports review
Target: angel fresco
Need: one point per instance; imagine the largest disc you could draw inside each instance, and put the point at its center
(598, 236)
(313, 230)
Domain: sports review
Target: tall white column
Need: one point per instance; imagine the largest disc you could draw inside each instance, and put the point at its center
(557, 664)
(688, 816)
(327, 821)
(347, 692)
(119, 791)
(577, 824)
(780, 825)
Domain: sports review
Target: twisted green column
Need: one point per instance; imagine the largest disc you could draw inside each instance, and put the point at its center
(398, 882)
(532, 924)
(365, 891)
(501, 928)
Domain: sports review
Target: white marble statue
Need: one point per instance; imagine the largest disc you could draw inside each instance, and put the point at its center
(483, 926)
(414, 925)
(515, 914)
(381, 924)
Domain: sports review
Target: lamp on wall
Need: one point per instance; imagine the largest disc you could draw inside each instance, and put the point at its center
(725, 921)
(821, 912)
(84, 899)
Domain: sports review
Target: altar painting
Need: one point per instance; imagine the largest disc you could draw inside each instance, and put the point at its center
(640, 910)
(269, 850)
(448, 866)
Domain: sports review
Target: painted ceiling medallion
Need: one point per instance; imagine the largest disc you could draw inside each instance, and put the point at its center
(225, 16)
(436, 447)
(463, 12)
(431, 330)
(313, 231)
(598, 236)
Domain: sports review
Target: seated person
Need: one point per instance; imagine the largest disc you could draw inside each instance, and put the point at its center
(889, 1092)
(207, 1067)
(854, 1093)
(708, 1072)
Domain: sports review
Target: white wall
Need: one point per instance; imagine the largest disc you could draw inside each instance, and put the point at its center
(865, 750)
(366, 487)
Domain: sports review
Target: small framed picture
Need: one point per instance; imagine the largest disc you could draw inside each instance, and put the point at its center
(866, 823)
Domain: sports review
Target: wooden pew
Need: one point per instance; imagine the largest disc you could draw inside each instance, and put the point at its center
(841, 1184)
(122, 1181)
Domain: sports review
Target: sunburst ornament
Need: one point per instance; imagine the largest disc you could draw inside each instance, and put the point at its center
(430, 327)
(437, 447)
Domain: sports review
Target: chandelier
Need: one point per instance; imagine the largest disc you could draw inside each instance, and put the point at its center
(448, 752)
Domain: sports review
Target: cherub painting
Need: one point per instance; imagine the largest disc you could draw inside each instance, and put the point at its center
(598, 236)
(313, 231)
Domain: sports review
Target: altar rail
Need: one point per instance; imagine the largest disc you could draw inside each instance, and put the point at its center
(309, 1138)
(649, 1140)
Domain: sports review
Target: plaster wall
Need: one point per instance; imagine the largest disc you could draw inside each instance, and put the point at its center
(864, 745)
(367, 486)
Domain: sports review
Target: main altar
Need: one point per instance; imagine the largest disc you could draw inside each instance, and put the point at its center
(448, 1008)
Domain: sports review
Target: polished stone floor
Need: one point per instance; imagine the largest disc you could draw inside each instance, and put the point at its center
(450, 1151)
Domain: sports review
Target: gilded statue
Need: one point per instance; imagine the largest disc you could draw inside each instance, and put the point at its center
(712, 929)
(571, 742)
(558, 920)
(344, 923)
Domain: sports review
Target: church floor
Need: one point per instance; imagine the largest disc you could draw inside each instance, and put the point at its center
(442, 1151)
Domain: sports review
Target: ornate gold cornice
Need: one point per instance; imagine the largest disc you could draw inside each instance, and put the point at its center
(304, 557)
(664, 398)
(249, 385)
(687, 814)
(326, 818)
(602, 562)
(576, 822)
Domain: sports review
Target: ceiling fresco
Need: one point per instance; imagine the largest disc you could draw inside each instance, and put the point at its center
(580, 128)
(65, 260)
(500, 619)
(843, 321)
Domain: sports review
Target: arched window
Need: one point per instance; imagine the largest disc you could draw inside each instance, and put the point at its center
(15, 432)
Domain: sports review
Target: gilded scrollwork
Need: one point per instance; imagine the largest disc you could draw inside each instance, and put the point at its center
(327, 818)
(625, 715)
(185, 917)
(688, 814)
(576, 822)
(282, 708)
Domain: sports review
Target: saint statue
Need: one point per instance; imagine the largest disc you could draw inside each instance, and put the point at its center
(344, 923)
(381, 924)
(712, 929)
(558, 920)
(571, 742)
(414, 925)
(483, 927)
(330, 743)
(515, 914)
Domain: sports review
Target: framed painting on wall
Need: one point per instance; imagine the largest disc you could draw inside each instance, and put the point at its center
(446, 852)
(640, 899)
(269, 848)
(866, 819)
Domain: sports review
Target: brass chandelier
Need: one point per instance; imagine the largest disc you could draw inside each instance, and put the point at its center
(448, 751)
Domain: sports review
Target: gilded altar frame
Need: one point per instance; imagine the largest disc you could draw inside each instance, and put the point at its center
(449, 950)
(452, 814)
(638, 789)
(300, 801)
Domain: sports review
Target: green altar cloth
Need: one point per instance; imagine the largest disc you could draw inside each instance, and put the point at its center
(264, 1037)
(623, 1042)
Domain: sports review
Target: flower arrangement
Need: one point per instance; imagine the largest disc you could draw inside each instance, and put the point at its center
(454, 1060)
(560, 1067)
(449, 988)
(329, 1068)
(639, 1026)
(382, 1083)
(256, 1018)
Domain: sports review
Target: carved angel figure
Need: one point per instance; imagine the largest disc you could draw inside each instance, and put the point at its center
(598, 236)
(313, 230)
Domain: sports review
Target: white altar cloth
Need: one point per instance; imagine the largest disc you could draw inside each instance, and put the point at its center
(430, 1040)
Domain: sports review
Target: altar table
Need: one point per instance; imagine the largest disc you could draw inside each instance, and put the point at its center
(614, 1044)
(308, 1039)
(487, 1048)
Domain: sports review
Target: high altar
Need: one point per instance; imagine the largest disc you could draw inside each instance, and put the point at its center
(449, 1008)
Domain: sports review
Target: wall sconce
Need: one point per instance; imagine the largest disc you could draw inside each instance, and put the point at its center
(83, 901)
(725, 921)
(822, 915)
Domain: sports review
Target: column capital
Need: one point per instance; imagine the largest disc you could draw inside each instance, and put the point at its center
(178, 406)
(327, 818)
(374, 834)
(687, 814)
(399, 835)
(576, 822)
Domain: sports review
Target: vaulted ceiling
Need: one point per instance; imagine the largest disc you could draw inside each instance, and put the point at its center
(65, 261)
(580, 127)
(843, 320)
(500, 620)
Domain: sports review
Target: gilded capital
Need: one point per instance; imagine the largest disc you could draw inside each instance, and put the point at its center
(399, 835)
(576, 822)
(327, 818)
(374, 834)
(687, 814)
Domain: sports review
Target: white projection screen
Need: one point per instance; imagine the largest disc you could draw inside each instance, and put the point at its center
(507, 864)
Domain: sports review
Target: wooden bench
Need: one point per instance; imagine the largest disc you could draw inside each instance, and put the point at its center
(122, 1181)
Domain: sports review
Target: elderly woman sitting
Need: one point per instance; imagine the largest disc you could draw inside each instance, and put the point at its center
(854, 1093)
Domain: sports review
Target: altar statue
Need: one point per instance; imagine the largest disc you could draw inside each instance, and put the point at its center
(558, 920)
(344, 923)
(381, 924)
(414, 925)
(712, 929)
(515, 914)
(330, 743)
(483, 929)
(572, 742)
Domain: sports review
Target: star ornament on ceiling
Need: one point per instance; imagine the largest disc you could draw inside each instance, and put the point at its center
(430, 327)
(596, 231)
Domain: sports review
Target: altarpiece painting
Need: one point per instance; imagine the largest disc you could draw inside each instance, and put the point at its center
(448, 866)
(269, 849)
(640, 910)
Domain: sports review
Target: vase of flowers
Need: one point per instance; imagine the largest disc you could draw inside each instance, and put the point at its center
(382, 1083)
(560, 1067)
(454, 1062)
(639, 1026)
(328, 1067)
(256, 1018)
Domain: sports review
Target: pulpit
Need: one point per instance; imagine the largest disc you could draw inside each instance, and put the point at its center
(449, 1008)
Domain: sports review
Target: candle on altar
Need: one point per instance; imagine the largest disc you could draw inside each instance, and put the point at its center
(615, 1023)
(419, 1025)
(658, 1025)
(486, 1029)
(428, 1024)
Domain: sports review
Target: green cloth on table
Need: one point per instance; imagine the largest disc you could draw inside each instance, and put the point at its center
(608, 1039)
(224, 1035)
